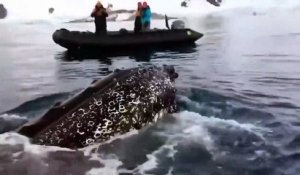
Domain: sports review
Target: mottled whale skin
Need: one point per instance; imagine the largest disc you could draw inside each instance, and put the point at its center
(124, 101)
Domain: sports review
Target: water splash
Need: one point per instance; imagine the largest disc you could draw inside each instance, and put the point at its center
(190, 129)
(12, 138)
(10, 122)
(9, 117)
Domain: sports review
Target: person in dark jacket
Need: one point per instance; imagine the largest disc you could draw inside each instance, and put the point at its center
(138, 19)
(100, 15)
(146, 16)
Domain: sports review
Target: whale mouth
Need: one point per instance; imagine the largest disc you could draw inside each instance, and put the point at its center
(170, 70)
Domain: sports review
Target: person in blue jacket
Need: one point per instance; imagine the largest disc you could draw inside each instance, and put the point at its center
(146, 16)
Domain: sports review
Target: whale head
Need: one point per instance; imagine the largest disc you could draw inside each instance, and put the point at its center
(126, 100)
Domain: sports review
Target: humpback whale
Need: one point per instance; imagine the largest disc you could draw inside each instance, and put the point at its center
(126, 100)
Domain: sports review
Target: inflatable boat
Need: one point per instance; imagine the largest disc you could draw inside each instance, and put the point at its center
(125, 40)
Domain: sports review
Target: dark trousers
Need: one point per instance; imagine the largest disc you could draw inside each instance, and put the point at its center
(137, 24)
(100, 25)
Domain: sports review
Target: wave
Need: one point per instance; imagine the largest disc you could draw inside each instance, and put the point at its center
(53, 160)
(12, 138)
(182, 137)
(196, 139)
(211, 103)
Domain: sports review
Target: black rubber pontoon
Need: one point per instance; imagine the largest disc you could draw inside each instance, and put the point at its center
(114, 41)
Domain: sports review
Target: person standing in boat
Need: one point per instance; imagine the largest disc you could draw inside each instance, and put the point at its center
(146, 16)
(138, 19)
(100, 15)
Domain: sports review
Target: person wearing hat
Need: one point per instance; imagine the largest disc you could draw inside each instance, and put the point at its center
(146, 16)
(138, 20)
(100, 15)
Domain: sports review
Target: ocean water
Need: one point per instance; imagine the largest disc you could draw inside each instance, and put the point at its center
(238, 92)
